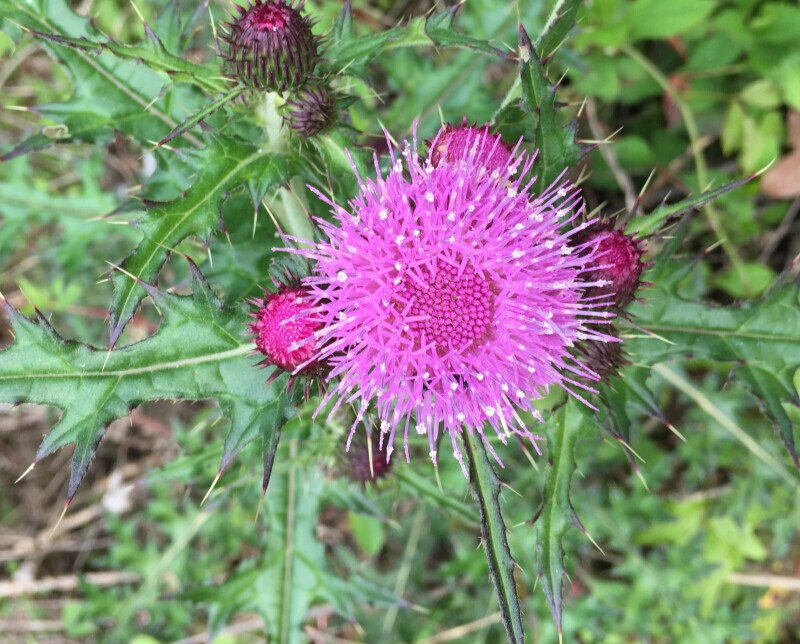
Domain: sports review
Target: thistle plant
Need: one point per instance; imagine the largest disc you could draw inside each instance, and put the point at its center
(444, 290)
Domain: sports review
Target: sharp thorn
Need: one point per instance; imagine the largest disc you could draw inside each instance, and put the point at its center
(211, 489)
(26, 472)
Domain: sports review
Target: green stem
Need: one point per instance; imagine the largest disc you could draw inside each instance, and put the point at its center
(486, 490)
(287, 205)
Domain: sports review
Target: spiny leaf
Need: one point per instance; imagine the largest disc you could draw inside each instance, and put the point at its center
(109, 93)
(556, 144)
(440, 28)
(201, 114)
(151, 53)
(646, 225)
(226, 165)
(556, 515)
(559, 22)
(197, 353)
(762, 338)
(350, 54)
(486, 490)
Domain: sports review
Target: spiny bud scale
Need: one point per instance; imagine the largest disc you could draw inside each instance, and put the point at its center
(270, 45)
(310, 110)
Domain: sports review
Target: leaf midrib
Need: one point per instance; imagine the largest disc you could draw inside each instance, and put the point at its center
(722, 333)
(221, 356)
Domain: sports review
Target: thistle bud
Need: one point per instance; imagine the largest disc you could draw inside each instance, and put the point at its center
(363, 463)
(456, 143)
(283, 330)
(618, 263)
(270, 45)
(603, 358)
(310, 110)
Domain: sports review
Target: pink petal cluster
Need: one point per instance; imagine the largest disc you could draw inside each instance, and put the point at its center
(449, 296)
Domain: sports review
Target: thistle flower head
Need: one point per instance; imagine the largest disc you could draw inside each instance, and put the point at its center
(282, 331)
(449, 297)
(270, 45)
(618, 263)
(310, 110)
(459, 142)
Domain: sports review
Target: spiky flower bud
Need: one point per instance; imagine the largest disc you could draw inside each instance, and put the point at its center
(310, 110)
(283, 330)
(618, 263)
(366, 459)
(604, 358)
(270, 45)
(457, 143)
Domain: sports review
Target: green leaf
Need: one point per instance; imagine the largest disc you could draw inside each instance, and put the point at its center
(659, 19)
(486, 490)
(556, 515)
(557, 147)
(225, 165)
(201, 114)
(151, 53)
(762, 338)
(109, 94)
(648, 224)
(197, 353)
(348, 53)
(440, 28)
(559, 22)
(368, 532)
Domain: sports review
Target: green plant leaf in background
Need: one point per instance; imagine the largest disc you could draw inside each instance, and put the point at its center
(761, 338)
(109, 93)
(291, 572)
(198, 353)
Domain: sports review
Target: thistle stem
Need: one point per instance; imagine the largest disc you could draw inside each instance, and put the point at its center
(486, 490)
(287, 204)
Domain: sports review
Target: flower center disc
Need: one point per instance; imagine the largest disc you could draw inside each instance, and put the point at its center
(271, 16)
(458, 309)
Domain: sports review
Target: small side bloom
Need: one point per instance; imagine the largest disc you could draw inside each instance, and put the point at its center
(449, 299)
(285, 334)
(310, 110)
(618, 263)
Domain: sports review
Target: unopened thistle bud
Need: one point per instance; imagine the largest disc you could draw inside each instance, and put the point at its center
(366, 459)
(310, 110)
(605, 359)
(270, 45)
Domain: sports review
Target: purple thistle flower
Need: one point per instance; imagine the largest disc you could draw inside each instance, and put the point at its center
(449, 296)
